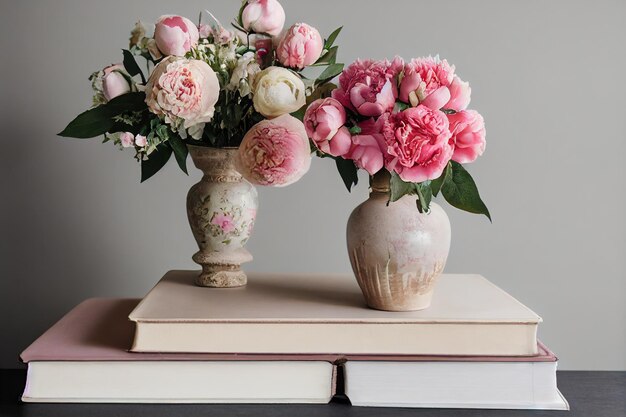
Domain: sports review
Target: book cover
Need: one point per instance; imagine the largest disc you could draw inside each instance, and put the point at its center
(287, 314)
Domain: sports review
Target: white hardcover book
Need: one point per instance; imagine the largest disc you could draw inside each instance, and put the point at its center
(501, 385)
(302, 314)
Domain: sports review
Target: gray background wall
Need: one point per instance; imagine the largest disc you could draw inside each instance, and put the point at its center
(547, 76)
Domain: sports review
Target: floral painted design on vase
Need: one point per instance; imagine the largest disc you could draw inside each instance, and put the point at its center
(396, 252)
(221, 209)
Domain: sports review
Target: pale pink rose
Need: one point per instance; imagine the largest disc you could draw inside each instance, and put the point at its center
(224, 222)
(426, 81)
(417, 143)
(369, 87)
(175, 35)
(114, 83)
(184, 92)
(460, 92)
(300, 46)
(263, 16)
(127, 139)
(324, 123)
(468, 135)
(275, 152)
(141, 141)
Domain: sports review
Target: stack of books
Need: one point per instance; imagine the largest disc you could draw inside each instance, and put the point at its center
(283, 339)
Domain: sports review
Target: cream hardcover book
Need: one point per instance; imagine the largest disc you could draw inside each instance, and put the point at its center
(279, 313)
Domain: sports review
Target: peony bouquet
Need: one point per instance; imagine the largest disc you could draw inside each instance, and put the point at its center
(406, 120)
(207, 85)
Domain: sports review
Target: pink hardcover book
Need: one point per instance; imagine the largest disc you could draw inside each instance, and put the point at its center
(84, 357)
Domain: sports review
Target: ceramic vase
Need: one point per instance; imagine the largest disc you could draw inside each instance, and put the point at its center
(221, 208)
(396, 252)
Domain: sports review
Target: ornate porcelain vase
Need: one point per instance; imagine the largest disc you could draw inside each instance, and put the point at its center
(396, 252)
(221, 209)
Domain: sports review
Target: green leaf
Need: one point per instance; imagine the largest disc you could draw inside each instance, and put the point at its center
(127, 102)
(130, 64)
(398, 188)
(461, 192)
(89, 124)
(436, 184)
(331, 38)
(348, 172)
(355, 130)
(321, 91)
(180, 151)
(299, 114)
(329, 73)
(156, 160)
(99, 120)
(400, 106)
(328, 58)
(425, 195)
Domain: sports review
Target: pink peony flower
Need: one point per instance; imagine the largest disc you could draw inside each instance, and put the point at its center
(224, 222)
(127, 139)
(417, 143)
(324, 123)
(369, 87)
(275, 152)
(141, 141)
(459, 95)
(426, 81)
(368, 149)
(468, 135)
(114, 83)
(300, 46)
(263, 16)
(184, 92)
(175, 35)
(367, 152)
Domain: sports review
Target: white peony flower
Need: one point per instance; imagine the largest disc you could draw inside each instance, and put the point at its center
(278, 91)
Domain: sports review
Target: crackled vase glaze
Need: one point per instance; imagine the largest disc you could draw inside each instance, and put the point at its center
(221, 209)
(396, 252)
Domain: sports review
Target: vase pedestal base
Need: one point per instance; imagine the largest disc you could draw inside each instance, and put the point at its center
(221, 276)
(222, 270)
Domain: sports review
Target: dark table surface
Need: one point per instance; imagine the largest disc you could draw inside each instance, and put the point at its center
(590, 394)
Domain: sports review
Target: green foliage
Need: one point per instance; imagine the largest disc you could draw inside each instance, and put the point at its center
(180, 151)
(329, 57)
(331, 38)
(425, 195)
(329, 73)
(398, 188)
(455, 183)
(130, 64)
(99, 120)
(157, 160)
(348, 172)
(459, 189)
(436, 184)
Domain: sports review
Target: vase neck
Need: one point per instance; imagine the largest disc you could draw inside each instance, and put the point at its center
(379, 182)
(217, 164)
